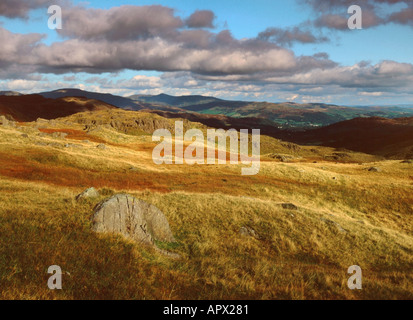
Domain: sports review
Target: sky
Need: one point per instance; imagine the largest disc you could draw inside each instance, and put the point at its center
(264, 50)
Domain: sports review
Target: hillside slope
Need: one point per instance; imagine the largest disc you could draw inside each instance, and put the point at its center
(341, 215)
(30, 107)
(392, 138)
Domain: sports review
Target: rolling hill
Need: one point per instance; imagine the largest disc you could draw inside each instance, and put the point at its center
(391, 138)
(30, 107)
(182, 101)
(117, 101)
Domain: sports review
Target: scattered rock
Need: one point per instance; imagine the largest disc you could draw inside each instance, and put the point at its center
(101, 146)
(60, 135)
(133, 169)
(333, 223)
(88, 193)
(4, 121)
(7, 122)
(281, 157)
(133, 218)
(71, 145)
(248, 232)
(289, 206)
(374, 169)
(42, 121)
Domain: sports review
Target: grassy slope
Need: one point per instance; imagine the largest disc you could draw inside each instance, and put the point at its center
(297, 256)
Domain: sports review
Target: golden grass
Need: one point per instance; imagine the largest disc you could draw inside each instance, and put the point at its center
(298, 255)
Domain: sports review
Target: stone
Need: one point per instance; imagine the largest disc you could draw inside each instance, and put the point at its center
(101, 146)
(281, 157)
(88, 193)
(132, 218)
(71, 145)
(374, 169)
(60, 135)
(248, 232)
(4, 121)
(289, 206)
(333, 223)
(41, 121)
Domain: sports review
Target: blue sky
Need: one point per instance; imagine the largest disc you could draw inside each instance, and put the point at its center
(369, 66)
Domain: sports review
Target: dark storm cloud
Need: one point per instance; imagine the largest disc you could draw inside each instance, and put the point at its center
(201, 19)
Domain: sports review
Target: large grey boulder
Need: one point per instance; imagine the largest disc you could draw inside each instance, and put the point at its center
(133, 218)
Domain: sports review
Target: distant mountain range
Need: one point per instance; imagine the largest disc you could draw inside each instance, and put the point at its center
(287, 115)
